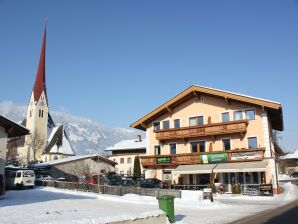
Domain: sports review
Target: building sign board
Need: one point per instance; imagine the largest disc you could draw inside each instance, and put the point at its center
(248, 155)
(165, 159)
(214, 158)
(266, 190)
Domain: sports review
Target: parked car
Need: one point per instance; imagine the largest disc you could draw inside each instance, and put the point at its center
(294, 175)
(126, 182)
(19, 178)
(150, 183)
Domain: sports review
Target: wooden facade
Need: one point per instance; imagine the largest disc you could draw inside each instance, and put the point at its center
(203, 131)
(244, 155)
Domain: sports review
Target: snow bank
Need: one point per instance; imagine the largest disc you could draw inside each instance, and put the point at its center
(290, 191)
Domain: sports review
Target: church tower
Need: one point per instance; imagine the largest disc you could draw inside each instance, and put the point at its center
(37, 113)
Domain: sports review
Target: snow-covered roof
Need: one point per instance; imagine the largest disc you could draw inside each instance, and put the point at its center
(74, 158)
(131, 144)
(293, 155)
(58, 142)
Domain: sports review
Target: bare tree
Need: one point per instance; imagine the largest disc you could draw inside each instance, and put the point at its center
(36, 144)
(12, 156)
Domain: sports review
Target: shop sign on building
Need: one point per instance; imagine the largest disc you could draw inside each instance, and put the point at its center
(214, 158)
(165, 159)
(266, 190)
(253, 155)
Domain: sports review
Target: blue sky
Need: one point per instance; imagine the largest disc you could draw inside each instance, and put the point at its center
(114, 61)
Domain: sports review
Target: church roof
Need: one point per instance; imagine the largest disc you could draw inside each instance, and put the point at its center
(40, 81)
(58, 142)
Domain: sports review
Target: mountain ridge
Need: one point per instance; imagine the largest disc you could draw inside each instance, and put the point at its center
(86, 136)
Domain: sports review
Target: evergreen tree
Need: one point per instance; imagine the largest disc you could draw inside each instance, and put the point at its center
(137, 167)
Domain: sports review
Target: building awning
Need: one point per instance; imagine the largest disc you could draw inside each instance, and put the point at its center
(194, 169)
(258, 166)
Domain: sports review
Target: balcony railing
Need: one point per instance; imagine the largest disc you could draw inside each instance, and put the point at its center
(201, 131)
(239, 155)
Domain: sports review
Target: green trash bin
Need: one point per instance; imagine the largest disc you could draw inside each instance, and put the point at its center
(166, 203)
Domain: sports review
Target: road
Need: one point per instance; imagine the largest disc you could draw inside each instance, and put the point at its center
(282, 214)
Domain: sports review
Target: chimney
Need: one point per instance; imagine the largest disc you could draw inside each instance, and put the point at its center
(139, 138)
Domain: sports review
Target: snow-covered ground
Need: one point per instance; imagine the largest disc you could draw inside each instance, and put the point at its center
(49, 205)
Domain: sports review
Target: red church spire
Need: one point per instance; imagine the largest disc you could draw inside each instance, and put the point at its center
(40, 81)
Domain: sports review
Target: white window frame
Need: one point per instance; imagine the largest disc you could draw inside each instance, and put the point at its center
(229, 112)
(243, 115)
(222, 144)
(173, 122)
(250, 109)
(204, 119)
(169, 148)
(163, 126)
(156, 122)
(252, 136)
(201, 140)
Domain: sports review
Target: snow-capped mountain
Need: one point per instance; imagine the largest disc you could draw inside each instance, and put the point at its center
(86, 136)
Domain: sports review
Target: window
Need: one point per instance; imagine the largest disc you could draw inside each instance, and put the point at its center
(252, 142)
(238, 115)
(166, 124)
(225, 117)
(39, 113)
(121, 160)
(55, 157)
(200, 120)
(173, 148)
(198, 145)
(157, 149)
(177, 123)
(128, 160)
(226, 143)
(19, 174)
(250, 114)
(195, 121)
(156, 126)
(192, 121)
(30, 113)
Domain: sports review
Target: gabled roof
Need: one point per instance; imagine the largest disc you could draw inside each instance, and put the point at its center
(274, 108)
(12, 128)
(58, 142)
(40, 81)
(128, 145)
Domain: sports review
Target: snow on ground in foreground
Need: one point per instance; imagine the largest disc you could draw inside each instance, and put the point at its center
(50, 205)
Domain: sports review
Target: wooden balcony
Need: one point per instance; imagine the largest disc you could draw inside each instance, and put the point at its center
(236, 155)
(202, 131)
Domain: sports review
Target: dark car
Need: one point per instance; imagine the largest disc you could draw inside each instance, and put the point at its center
(294, 175)
(126, 182)
(150, 183)
(116, 180)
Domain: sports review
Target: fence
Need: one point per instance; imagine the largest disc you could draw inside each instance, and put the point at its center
(190, 187)
(114, 190)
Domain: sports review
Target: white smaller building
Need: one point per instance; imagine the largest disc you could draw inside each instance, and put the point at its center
(124, 154)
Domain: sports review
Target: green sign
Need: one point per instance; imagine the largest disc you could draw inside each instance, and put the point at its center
(160, 160)
(214, 158)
